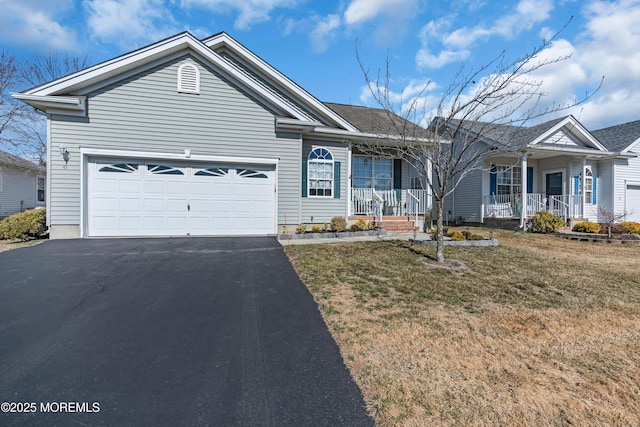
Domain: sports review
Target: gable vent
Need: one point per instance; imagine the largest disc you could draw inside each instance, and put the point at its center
(188, 79)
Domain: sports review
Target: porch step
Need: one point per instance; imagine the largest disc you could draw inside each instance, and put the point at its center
(392, 224)
(398, 224)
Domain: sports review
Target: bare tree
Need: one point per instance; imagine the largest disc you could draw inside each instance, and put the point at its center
(41, 69)
(491, 103)
(611, 218)
(34, 72)
(12, 112)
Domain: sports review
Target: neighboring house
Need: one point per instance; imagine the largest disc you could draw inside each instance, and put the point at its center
(22, 184)
(202, 137)
(560, 166)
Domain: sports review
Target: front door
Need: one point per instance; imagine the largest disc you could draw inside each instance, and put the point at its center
(554, 184)
(554, 188)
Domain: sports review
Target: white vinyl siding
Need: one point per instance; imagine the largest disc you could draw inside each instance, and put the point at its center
(145, 113)
(18, 191)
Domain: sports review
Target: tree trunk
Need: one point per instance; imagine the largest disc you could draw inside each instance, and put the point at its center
(440, 233)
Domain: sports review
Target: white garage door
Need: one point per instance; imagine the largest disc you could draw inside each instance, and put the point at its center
(155, 198)
(633, 202)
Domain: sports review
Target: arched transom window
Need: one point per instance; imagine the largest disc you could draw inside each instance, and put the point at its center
(320, 173)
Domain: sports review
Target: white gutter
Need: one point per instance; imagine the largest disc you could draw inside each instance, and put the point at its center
(45, 102)
(590, 153)
(318, 129)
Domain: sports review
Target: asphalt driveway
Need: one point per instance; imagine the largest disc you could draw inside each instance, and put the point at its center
(182, 331)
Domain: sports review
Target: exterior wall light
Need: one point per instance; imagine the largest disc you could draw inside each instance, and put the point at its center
(65, 154)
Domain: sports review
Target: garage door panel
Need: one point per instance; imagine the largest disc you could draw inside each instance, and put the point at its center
(158, 198)
(129, 186)
(104, 186)
(157, 223)
(105, 204)
(154, 205)
(129, 223)
(128, 205)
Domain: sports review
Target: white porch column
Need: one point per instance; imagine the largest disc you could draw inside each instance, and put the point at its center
(523, 191)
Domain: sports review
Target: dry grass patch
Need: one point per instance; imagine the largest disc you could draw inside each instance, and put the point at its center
(7, 245)
(538, 331)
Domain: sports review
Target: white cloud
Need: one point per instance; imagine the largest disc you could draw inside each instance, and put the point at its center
(433, 31)
(610, 49)
(426, 59)
(360, 11)
(34, 23)
(249, 11)
(527, 14)
(324, 32)
(415, 101)
(124, 22)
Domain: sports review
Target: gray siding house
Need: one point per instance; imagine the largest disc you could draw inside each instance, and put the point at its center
(558, 166)
(202, 137)
(22, 185)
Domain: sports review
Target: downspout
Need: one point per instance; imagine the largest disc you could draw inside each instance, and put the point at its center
(523, 190)
(349, 147)
(583, 175)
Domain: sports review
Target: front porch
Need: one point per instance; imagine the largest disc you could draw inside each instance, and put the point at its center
(379, 203)
(510, 206)
(393, 210)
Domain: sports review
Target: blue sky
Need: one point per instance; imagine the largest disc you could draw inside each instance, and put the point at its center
(314, 42)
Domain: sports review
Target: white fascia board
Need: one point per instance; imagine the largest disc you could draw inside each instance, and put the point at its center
(322, 131)
(573, 123)
(225, 40)
(118, 65)
(580, 151)
(129, 154)
(104, 71)
(54, 104)
(296, 125)
(631, 146)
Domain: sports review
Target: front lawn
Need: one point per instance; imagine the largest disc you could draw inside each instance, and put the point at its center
(538, 331)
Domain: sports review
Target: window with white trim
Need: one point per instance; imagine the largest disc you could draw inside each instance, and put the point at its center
(508, 180)
(320, 173)
(588, 185)
(372, 172)
(40, 189)
(188, 78)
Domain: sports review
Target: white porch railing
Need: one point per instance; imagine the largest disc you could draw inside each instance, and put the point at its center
(392, 202)
(502, 206)
(566, 206)
(418, 202)
(510, 205)
(362, 201)
(535, 203)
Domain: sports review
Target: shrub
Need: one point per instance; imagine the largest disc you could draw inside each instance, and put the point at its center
(359, 225)
(456, 236)
(316, 228)
(338, 223)
(546, 222)
(629, 227)
(586, 227)
(371, 225)
(301, 229)
(476, 237)
(23, 226)
(445, 230)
